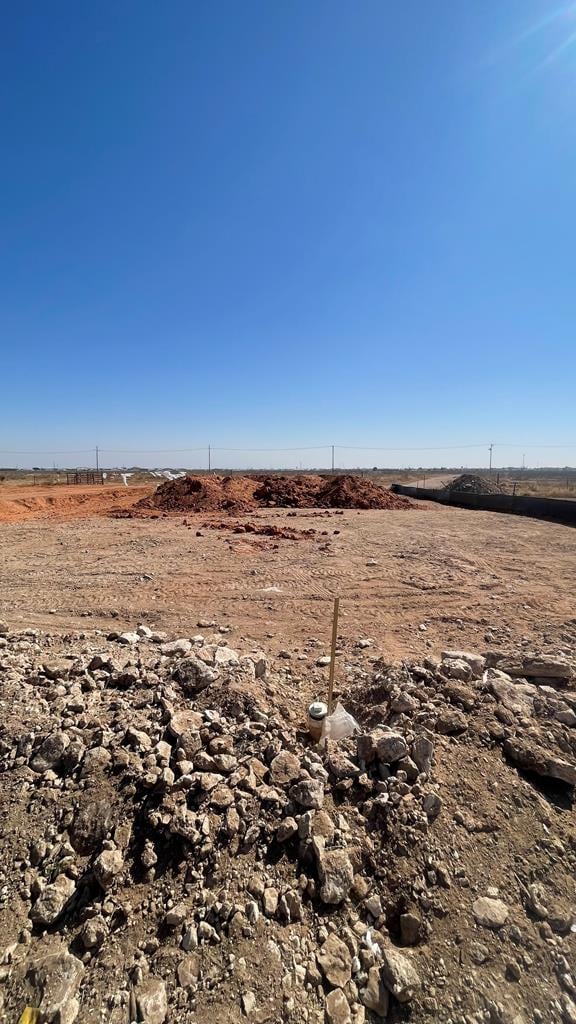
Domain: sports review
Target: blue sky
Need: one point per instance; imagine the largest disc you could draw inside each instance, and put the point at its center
(268, 225)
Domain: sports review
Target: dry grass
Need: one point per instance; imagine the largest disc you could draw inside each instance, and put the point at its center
(550, 483)
(553, 487)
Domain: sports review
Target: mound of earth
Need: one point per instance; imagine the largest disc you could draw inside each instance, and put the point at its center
(202, 493)
(175, 849)
(242, 493)
(468, 483)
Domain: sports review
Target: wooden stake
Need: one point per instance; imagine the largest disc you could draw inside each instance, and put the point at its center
(333, 654)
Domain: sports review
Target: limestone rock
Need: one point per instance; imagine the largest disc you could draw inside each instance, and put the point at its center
(107, 865)
(516, 697)
(194, 675)
(422, 753)
(56, 979)
(308, 793)
(226, 656)
(456, 668)
(335, 961)
(336, 1008)
(476, 662)
(176, 648)
(94, 932)
(399, 975)
(57, 668)
(182, 721)
(152, 1001)
(188, 970)
(431, 804)
(340, 766)
(49, 752)
(375, 996)
(285, 768)
(270, 901)
(534, 667)
(52, 901)
(128, 639)
(410, 928)
(451, 721)
(490, 913)
(286, 830)
(248, 1003)
(530, 756)
(335, 871)
(391, 747)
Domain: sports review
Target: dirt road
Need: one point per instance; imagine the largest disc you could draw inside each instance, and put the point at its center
(413, 581)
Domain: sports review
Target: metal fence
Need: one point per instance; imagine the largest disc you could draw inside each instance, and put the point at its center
(561, 510)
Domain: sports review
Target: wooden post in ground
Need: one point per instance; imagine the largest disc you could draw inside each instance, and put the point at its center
(333, 654)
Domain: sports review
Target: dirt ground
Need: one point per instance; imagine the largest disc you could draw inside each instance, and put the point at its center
(413, 581)
(418, 582)
(19, 502)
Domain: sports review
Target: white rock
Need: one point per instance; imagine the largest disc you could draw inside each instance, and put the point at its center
(399, 975)
(57, 978)
(337, 1008)
(226, 656)
(176, 648)
(152, 1001)
(52, 900)
(490, 913)
(128, 639)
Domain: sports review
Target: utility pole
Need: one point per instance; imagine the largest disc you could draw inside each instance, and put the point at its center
(209, 458)
(490, 449)
(97, 458)
(523, 462)
(332, 458)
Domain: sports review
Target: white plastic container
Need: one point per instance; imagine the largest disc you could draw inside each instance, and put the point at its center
(317, 713)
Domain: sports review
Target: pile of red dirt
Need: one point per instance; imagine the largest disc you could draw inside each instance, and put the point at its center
(270, 530)
(242, 493)
(347, 491)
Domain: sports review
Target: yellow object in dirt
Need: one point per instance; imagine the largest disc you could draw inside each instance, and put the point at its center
(30, 1016)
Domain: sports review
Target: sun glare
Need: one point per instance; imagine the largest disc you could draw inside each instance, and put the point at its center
(564, 16)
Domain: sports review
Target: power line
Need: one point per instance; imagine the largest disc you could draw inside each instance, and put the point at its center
(294, 448)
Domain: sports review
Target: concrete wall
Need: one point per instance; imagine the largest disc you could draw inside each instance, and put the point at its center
(559, 509)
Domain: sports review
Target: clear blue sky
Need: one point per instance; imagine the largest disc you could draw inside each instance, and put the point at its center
(263, 224)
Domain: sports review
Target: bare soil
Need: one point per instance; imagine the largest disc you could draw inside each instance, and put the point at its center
(413, 582)
(63, 501)
(240, 493)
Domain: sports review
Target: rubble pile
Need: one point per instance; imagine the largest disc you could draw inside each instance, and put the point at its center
(175, 848)
(468, 483)
(241, 493)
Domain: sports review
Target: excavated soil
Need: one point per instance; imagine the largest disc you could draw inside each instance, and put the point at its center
(175, 849)
(242, 493)
(22, 502)
(267, 530)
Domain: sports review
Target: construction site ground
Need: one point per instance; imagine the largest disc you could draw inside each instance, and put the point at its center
(174, 849)
(414, 581)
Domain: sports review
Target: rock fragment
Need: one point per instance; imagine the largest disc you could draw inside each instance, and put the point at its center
(490, 913)
(152, 1001)
(52, 901)
(56, 979)
(337, 1008)
(399, 975)
(194, 675)
(335, 961)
